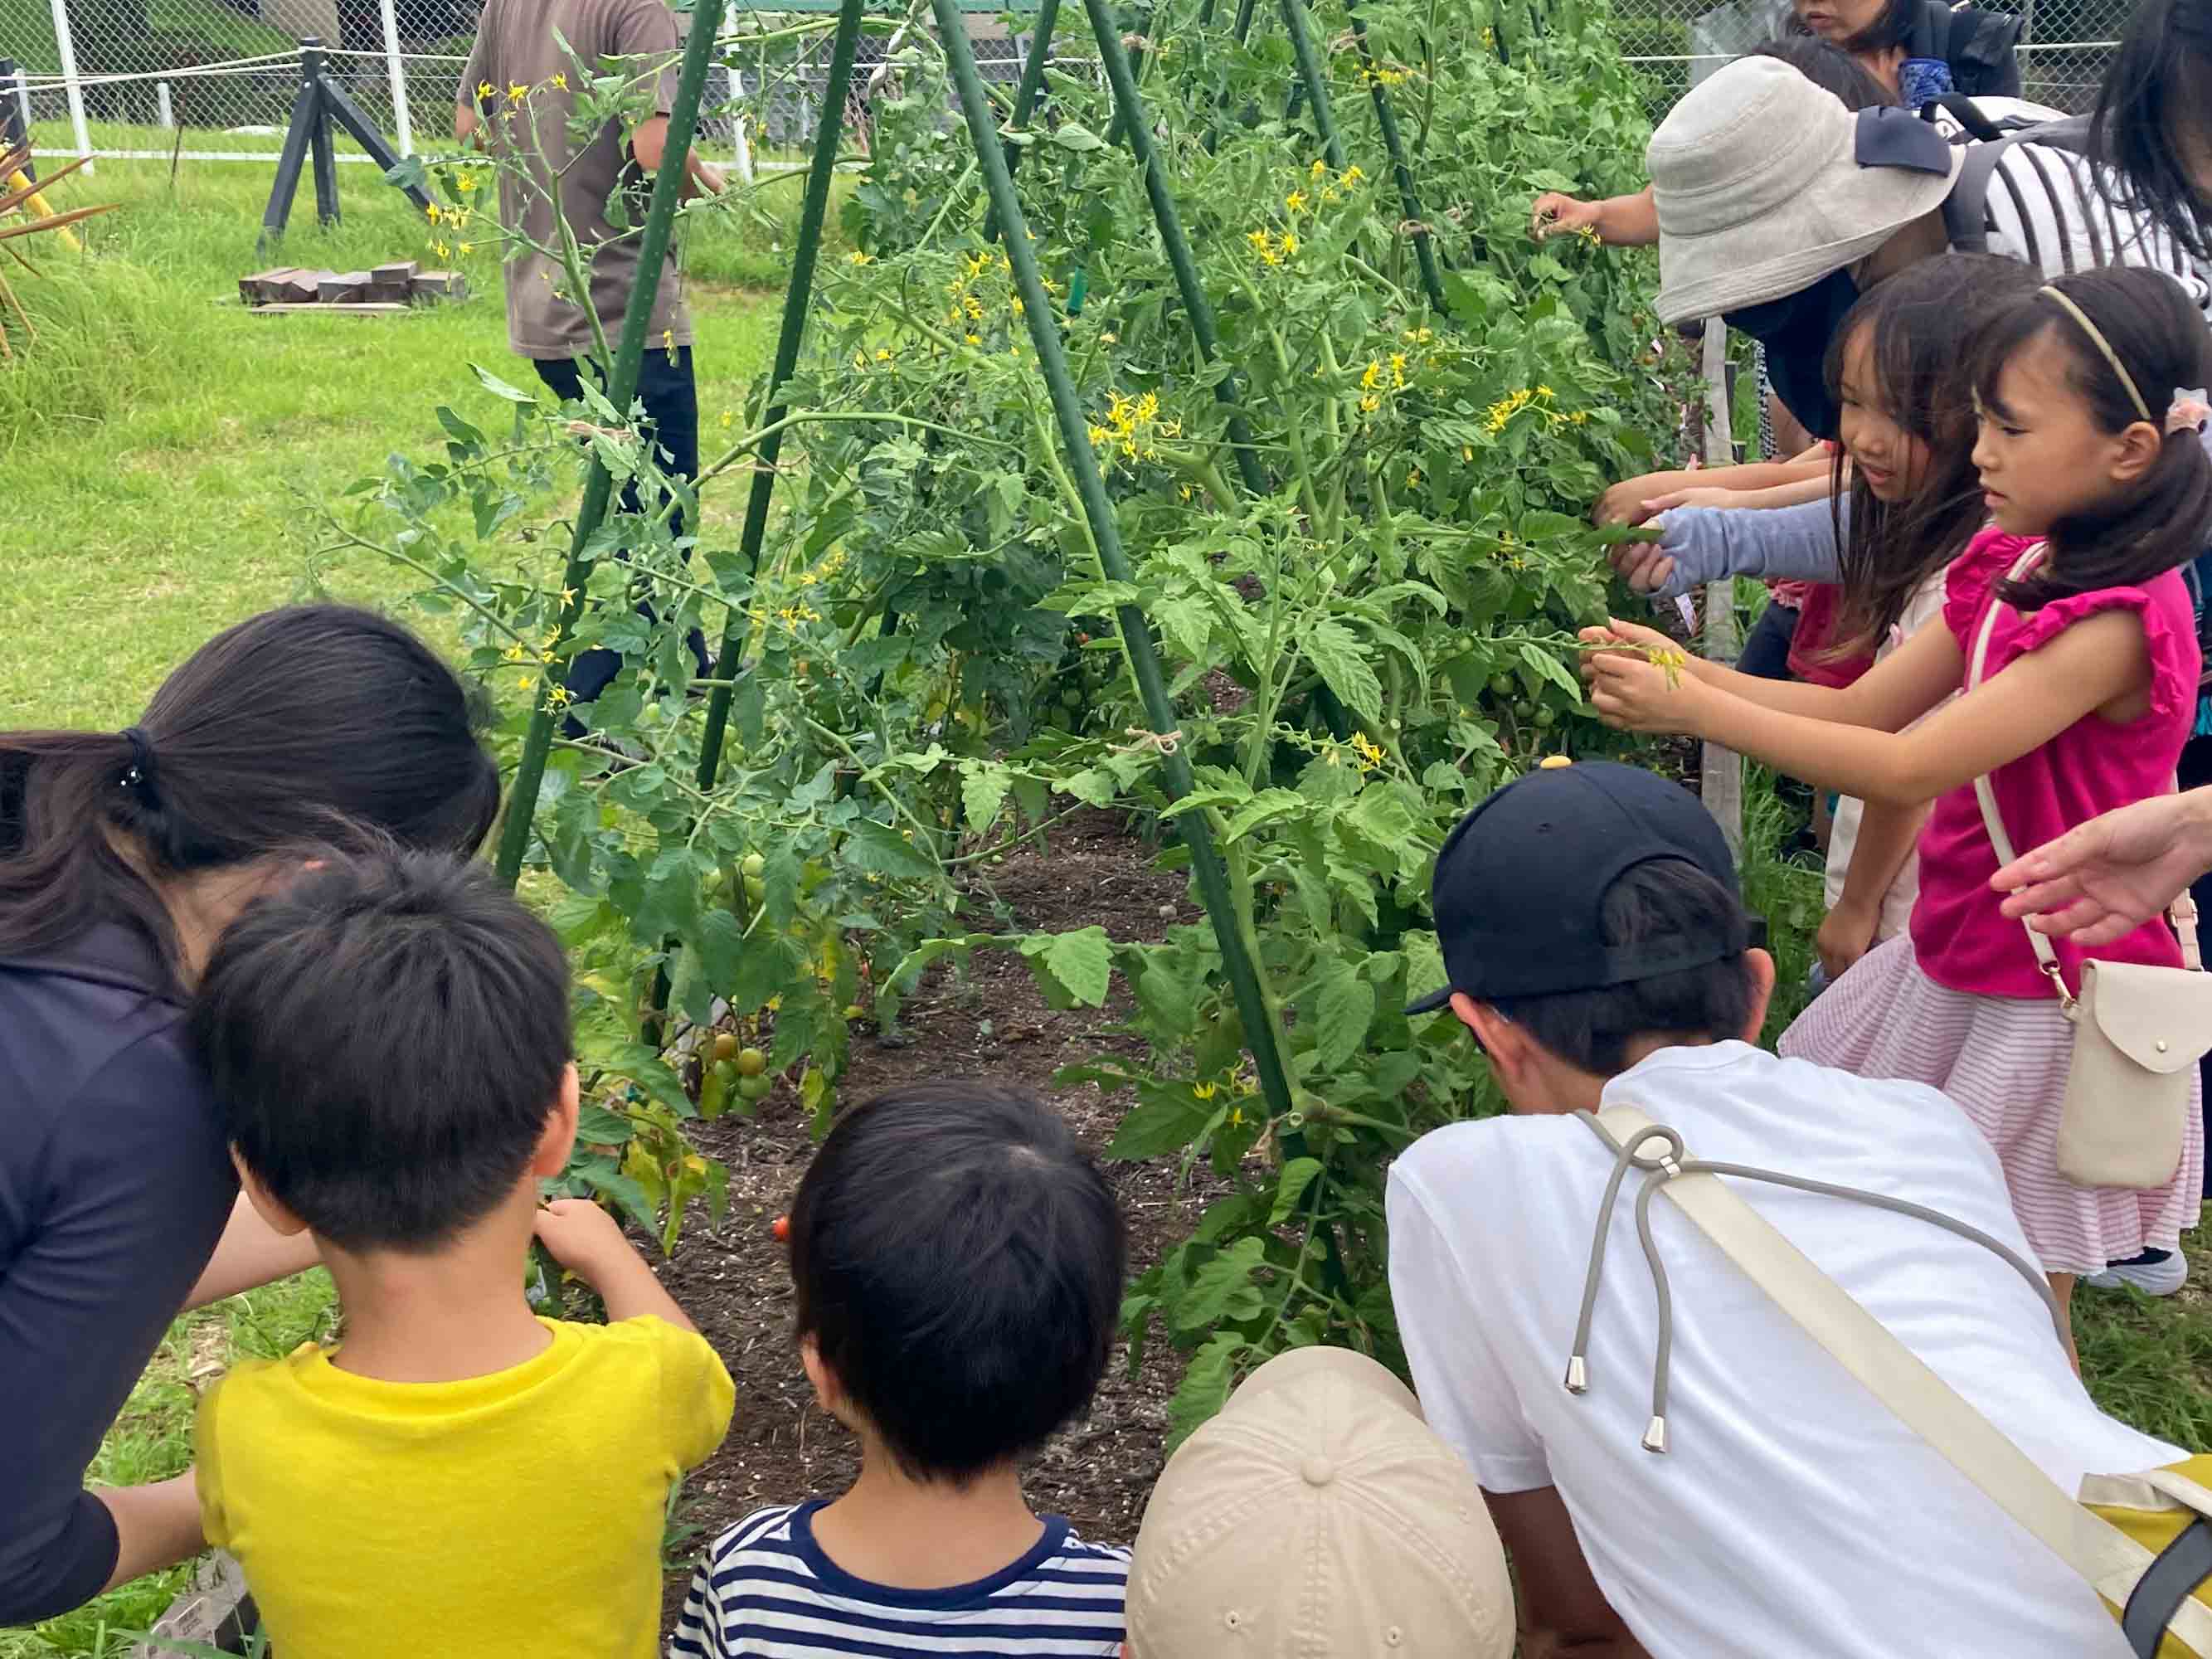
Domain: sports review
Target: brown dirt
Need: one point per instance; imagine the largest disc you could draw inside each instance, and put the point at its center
(993, 1022)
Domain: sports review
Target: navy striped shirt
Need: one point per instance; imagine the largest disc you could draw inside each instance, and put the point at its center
(767, 1591)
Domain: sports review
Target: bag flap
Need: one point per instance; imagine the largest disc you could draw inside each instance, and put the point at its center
(2177, 1487)
(2159, 1017)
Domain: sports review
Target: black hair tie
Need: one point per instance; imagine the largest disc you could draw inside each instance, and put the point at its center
(139, 780)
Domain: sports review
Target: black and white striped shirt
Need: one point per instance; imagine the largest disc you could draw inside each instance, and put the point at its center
(767, 1591)
(2045, 208)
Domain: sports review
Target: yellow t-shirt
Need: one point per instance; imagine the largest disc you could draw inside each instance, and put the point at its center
(518, 1510)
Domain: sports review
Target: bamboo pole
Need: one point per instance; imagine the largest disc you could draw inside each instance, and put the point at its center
(1315, 83)
(1721, 770)
(1120, 75)
(796, 300)
(1394, 142)
(1261, 1031)
(622, 388)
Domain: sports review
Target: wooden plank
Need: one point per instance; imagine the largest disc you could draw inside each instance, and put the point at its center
(340, 290)
(432, 286)
(1721, 770)
(401, 271)
(301, 288)
(335, 308)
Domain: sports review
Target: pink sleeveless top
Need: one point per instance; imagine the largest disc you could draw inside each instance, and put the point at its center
(2092, 767)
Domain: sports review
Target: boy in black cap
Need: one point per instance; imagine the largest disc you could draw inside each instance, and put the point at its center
(1597, 950)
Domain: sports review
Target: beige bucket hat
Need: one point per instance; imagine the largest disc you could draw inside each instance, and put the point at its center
(1318, 1514)
(1761, 188)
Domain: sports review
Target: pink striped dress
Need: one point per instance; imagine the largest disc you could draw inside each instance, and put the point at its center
(1959, 1003)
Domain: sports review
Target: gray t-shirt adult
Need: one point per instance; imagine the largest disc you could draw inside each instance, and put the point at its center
(519, 48)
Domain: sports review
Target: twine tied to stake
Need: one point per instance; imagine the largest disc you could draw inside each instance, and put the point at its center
(586, 429)
(1412, 227)
(1164, 743)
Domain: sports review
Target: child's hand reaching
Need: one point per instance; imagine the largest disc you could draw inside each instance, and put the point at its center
(589, 1243)
(1639, 679)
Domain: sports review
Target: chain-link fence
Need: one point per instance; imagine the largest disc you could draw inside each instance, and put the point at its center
(215, 80)
(2065, 44)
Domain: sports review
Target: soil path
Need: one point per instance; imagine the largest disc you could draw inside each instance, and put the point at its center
(994, 1023)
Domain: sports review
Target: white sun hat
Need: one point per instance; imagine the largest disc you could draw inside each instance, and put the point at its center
(1765, 183)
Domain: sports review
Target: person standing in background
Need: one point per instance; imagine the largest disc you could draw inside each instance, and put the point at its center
(517, 100)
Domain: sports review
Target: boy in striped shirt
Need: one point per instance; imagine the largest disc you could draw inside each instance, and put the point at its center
(957, 1262)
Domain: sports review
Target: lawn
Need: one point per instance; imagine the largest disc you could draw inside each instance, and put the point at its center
(162, 457)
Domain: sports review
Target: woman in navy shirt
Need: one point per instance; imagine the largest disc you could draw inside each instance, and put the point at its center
(123, 856)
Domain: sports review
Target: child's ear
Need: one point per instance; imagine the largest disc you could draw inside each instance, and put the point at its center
(2135, 450)
(281, 1221)
(560, 1137)
(826, 1394)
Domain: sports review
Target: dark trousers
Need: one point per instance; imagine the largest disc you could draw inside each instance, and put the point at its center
(670, 396)
(1765, 653)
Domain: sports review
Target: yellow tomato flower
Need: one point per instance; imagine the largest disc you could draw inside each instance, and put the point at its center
(857, 257)
(560, 82)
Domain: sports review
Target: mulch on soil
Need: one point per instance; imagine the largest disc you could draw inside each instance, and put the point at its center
(993, 1022)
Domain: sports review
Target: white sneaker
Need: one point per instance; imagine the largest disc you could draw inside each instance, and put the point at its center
(2151, 1278)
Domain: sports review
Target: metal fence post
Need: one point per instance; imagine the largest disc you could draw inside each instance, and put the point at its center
(65, 44)
(1721, 770)
(164, 111)
(395, 71)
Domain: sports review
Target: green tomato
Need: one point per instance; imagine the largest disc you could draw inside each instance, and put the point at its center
(1501, 685)
(1072, 699)
(1524, 709)
(753, 867)
(755, 1088)
(1546, 719)
(752, 1062)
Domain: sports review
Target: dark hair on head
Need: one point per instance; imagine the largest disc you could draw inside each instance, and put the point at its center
(1657, 902)
(958, 1260)
(387, 1035)
(1919, 323)
(2152, 127)
(298, 727)
(1829, 67)
(2153, 327)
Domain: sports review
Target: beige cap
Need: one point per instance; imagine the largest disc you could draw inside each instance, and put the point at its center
(1318, 1515)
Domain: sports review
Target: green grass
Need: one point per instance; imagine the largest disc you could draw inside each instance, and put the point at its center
(160, 447)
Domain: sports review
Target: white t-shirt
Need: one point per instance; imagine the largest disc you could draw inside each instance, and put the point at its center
(1926, 605)
(1792, 1514)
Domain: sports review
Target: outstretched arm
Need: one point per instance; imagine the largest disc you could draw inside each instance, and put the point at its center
(1617, 220)
(1897, 691)
(586, 1240)
(2111, 875)
(2098, 662)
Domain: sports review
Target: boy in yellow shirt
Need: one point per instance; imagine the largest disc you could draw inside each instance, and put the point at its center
(457, 1477)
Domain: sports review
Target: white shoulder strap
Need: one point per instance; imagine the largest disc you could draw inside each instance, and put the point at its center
(2106, 1556)
(2182, 915)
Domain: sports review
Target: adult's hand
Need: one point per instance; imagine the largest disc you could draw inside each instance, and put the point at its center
(1554, 213)
(2111, 875)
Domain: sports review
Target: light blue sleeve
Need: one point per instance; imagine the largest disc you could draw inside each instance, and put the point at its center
(1780, 544)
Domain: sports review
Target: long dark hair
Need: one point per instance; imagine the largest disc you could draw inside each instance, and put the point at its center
(2151, 109)
(1919, 324)
(287, 730)
(2165, 519)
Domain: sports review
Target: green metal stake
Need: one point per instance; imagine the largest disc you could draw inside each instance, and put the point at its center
(1260, 1029)
(1120, 75)
(1310, 71)
(796, 300)
(622, 388)
(1424, 249)
(1026, 94)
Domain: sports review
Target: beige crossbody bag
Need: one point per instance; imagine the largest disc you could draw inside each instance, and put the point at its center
(2138, 1030)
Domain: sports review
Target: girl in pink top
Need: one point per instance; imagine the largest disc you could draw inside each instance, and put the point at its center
(2088, 695)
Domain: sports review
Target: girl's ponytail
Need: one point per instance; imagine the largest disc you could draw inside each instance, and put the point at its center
(296, 727)
(2137, 344)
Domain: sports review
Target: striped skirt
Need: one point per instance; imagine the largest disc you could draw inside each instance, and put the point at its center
(2004, 1060)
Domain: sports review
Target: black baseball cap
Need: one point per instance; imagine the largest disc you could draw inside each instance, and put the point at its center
(1520, 885)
